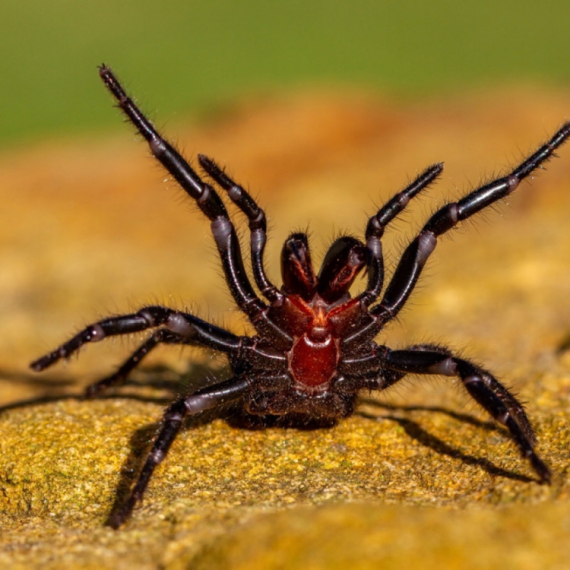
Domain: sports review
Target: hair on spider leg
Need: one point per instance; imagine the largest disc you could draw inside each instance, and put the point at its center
(313, 350)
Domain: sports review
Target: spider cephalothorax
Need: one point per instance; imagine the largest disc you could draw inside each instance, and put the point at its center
(314, 349)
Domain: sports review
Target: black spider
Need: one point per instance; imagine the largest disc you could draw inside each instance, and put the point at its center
(314, 349)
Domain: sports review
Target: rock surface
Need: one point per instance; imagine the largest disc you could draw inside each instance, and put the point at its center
(417, 475)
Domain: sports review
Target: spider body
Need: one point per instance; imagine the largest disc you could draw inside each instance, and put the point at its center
(313, 350)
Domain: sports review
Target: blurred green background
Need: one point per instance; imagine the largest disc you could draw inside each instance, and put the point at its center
(189, 56)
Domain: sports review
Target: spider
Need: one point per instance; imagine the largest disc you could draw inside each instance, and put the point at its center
(313, 350)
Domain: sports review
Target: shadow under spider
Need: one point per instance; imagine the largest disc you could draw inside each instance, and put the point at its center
(419, 434)
(162, 378)
(487, 425)
(235, 416)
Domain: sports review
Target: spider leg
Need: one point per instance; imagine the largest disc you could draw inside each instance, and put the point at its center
(120, 376)
(203, 399)
(484, 388)
(367, 371)
(208, 201)
(377, 224)
(187, 326)
(257, 225)
(416, 254)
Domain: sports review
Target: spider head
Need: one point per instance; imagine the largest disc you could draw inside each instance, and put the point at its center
(343, 261)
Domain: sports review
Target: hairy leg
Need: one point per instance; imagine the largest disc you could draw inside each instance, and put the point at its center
(417, 253)
(257, 225)
(447, 217)
(207, 200)
(204, 399)
(187, 326)
(484, 388)
(121, 375)
(377, 224)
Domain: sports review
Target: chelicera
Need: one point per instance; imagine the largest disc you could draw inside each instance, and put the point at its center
(313, 350)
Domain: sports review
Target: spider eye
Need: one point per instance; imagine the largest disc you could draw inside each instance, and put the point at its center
(296, 267)
(343, 262)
